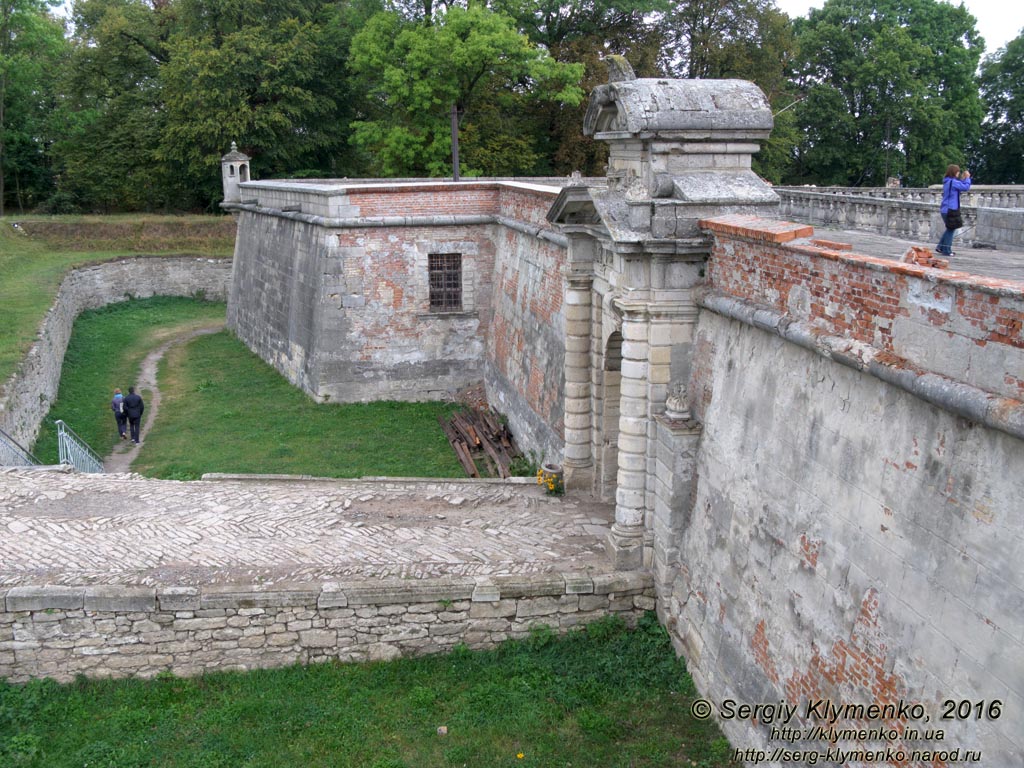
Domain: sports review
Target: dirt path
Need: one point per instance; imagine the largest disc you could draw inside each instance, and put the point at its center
(124, 453)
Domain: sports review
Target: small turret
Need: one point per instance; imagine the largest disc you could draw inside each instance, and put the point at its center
(234, 169)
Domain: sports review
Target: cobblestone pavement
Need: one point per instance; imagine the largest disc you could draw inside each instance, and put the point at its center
(60, 527)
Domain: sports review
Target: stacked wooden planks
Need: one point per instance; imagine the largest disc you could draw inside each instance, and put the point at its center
(480, 439)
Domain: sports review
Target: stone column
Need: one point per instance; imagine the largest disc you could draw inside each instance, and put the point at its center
(578, 460)
(626, 539)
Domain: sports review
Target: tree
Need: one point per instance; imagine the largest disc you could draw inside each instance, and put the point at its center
(111, 118)
(31, 42)
(1001, 150)
(416, 71)
(889, 91)
(704, 34)
(265, 73)
(585, 31)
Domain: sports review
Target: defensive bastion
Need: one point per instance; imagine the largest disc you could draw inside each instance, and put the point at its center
(815, 456)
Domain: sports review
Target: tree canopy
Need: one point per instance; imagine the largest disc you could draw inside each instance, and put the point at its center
(132, 106)
(416, 73)
(889, 90)
(1000, 153)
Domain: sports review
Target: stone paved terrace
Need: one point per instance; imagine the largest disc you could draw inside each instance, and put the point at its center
(61, 527)
(1002, 264)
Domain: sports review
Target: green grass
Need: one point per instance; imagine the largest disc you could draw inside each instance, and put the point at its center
(106, 348)
(601, 697)
(225, 410)
(32, 266)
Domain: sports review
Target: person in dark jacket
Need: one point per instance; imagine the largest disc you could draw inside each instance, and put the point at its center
(117, 406)
(133, 407)
(954, 183)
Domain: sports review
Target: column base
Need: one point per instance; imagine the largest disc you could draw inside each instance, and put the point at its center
(626, 547)
(578, 476)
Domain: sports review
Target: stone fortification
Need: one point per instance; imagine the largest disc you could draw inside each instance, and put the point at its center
(849, 529)
(331, 285)
(26, 397)
(111, 631)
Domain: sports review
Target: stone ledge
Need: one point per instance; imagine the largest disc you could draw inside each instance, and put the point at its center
(113, 599)
(45, 598)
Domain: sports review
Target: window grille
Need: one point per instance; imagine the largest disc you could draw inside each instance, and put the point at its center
(445, 271)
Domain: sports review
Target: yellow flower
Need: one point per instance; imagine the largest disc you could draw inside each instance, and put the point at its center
(520, 756)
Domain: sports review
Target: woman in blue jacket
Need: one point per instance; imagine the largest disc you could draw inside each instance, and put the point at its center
(954, 183)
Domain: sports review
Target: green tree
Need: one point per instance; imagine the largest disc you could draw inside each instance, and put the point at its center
(415, 72)
(31, 44)
(585, 31)
(889, 90)
(1000, 153)
(111, 118)
(265, 73)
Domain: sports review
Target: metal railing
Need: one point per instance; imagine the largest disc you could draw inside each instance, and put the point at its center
(75, 451)
(13, 455)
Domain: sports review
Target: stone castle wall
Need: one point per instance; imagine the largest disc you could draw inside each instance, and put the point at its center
(525, 361)
(851, 531)
(331, 287)
(107, 631)
(26, 397)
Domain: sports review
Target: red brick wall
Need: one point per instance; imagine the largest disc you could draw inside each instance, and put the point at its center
(425, 199)
(903, 309)
(526, 347)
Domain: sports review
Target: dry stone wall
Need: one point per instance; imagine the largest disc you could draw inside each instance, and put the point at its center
(105, 631)
(26, 397)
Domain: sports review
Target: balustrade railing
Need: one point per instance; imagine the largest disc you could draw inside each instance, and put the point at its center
(12, 454)
(75, 451)
(900, 217)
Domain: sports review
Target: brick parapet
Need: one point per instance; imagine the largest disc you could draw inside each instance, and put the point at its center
(964, 327)
(117, 631)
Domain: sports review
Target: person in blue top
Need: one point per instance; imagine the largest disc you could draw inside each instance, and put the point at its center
(954, 183)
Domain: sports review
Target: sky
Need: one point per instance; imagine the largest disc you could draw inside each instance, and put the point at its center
(999, 21)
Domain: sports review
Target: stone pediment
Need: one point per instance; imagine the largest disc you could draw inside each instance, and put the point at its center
(650, 107)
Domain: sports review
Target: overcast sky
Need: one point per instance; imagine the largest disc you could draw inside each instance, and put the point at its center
(999, 21)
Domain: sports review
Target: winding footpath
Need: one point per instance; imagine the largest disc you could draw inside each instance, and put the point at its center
(124, 453)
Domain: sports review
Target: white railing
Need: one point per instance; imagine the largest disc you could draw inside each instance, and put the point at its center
(979, 196)
(75, 451)
(13, 455)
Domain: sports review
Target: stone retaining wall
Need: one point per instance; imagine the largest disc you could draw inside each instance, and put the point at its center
(26, 397)
(106, 631)
(836, 536)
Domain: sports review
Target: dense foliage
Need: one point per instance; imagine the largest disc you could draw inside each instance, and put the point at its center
(129, 104)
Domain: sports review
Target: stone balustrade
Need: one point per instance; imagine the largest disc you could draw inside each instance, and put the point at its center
(993, 216)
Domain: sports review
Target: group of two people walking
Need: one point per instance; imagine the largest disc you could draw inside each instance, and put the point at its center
(128, 413)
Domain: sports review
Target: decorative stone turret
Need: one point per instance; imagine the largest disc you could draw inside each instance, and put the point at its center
(234, 169)
(680, 152)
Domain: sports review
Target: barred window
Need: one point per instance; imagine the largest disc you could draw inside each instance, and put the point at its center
(445, 270)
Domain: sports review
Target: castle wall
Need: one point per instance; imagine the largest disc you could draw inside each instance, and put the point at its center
(847, 535)
(25, 398)
(331, 287)
(525, 364)
(112, 631)
(275, 282)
